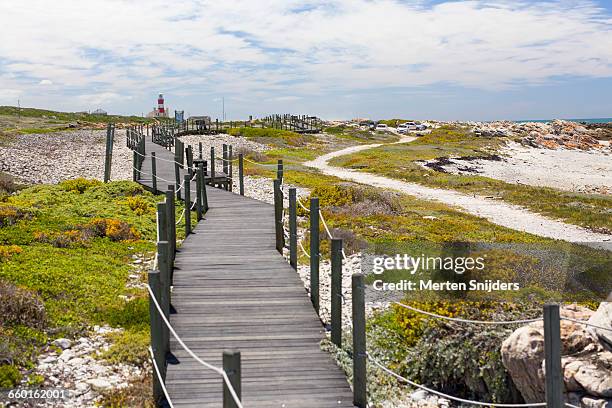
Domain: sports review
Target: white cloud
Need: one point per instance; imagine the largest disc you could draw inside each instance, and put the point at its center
(268, 47)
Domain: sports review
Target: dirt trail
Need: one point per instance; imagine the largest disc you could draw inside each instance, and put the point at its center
(497, 212)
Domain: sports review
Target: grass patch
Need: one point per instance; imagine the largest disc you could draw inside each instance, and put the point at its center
(274, 137)
(360, 136)
(65, 256)
(399, 161)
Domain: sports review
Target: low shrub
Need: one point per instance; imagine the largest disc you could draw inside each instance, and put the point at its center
(251, 154)
(63, 239)
(9, 215)
(20, 306)
(9, 376)
(136, 394)
(79, 185)
(7, 184)
(6, 251)
(139, 205)
(116, 230)
(128, 347)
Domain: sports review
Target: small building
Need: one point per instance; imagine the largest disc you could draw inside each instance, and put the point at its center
(99, 112)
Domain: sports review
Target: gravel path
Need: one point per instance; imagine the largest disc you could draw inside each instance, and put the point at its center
(53, 157)
(504, 214)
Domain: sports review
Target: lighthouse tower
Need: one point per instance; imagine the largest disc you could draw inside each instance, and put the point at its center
(161, 110)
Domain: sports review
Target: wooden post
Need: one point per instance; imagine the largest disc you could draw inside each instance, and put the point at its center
(190, 160)
(230, 167)
(187, 196)
(164, 282)
(135, 165)
(212, 166)
(314, 252)
(552, 352)
(231, 366)
(177, 178)
(199, 182)
(241, 173)
(336, 292)
(153, 173)
(110, 135)
(278, 216)
(204, 195)
(200, 150)
(359, 342)
(225, 159)
(171, 217)
(292, 228)
(156, 336)
(279, 170)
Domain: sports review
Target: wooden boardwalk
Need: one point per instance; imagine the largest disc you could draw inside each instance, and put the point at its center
(233, 290)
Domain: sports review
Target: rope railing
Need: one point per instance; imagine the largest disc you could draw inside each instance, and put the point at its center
(218, 370)
(585, 323)
(160, 379)
(329, 234)
(443, 395)
(302, 205)
(181, 217)
(303, 250)
(458, 319)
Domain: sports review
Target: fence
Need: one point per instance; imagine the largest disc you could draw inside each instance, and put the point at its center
(551, 314)
(295, 123)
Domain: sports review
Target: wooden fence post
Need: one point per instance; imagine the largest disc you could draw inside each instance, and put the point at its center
(177, 178)
(241, 173)
(314, 252)
(336, 291)
(153, 173)
(225, 159)
(359, 342)
(187, 196)
(552, 352)
(164, 284)
(200, 150)
(171, 217)
(199, 182)
(279, 170)
(212, 166)
(190, 160)
(278, 216)
(110, 136)
(156, 336)
(293, 228)
(204, 195)
(230, 166)
(134, 165)
(231, 366)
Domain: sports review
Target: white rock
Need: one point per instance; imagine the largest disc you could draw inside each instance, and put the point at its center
(62, 343)
(99, 384)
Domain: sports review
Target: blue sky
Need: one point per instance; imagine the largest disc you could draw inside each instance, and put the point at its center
(449, 60)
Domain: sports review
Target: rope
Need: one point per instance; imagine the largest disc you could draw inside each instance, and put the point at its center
(259, 164)
(192, 354)
(456, 319)
(193, 205)
(325, 225)
(181, 218)
(441, 394)
(159, 377)
(587, 324)
(303, 250)
(302, 205)
(140, 171)
(570, 405)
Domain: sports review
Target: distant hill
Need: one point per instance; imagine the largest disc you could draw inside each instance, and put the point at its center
(67, 116)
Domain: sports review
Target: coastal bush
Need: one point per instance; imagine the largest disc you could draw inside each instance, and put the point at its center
(277, 137)
(251, 154)
(136, 394)
(128, 347)
(9, 215)
(456, 358)
(7, 251)
(116, 230)
(139, 205)
(9, 376)
(7, 184)
(79, 185)
(19, 306)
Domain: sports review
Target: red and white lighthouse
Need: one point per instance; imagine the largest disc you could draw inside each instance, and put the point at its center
(161, 110)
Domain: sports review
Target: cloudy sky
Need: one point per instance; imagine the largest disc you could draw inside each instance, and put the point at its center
(476, 59)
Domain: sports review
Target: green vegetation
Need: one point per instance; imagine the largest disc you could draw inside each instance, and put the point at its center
(394, 122)
(65, 257)
(274, 137)
(360, 136)
(400, 161)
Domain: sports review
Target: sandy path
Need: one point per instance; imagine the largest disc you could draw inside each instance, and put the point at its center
(497, 212)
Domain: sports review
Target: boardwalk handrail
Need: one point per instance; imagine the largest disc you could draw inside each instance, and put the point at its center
(211, 367)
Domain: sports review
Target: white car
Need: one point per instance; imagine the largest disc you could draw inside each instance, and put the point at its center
(402, 128)
(414, 126)
(381, 127)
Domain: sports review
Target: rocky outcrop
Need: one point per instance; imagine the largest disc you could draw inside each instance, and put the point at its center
(603, 319)
(586, 361)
